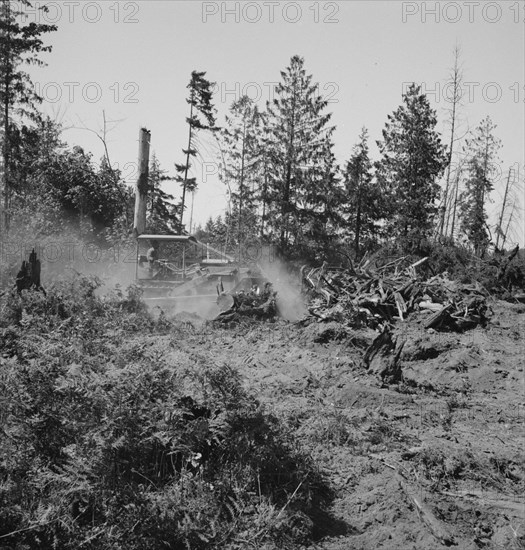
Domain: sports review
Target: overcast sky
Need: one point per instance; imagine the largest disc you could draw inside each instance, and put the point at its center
(133, 60)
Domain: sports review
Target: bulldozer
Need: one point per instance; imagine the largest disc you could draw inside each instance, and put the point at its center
(180, 271)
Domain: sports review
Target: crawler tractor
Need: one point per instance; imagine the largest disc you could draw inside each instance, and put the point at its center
(179, 270)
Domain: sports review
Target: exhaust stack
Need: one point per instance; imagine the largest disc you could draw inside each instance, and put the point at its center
(141, 186)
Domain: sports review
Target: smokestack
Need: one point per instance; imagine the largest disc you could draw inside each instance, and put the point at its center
(141, 187)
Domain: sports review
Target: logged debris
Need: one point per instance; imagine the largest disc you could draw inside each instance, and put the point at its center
(257, 303)
(367, 296)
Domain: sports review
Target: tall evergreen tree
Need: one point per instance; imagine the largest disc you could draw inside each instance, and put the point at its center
(20, 44)
(412, 160)
(363, 204)
(241, 157)
(202, 117)
(266, 206)
(162, 216)
(320, 211)
(302, 171)
(482, 156)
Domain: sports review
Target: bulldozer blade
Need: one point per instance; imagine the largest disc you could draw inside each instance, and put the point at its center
(225, 302)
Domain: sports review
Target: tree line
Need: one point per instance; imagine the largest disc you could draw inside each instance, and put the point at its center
(287, 188)
(284, 184)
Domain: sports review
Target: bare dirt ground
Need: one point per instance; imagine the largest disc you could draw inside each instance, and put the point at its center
(435, 461)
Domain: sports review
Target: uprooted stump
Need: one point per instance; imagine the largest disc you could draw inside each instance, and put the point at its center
(245, 308)
(382, 358)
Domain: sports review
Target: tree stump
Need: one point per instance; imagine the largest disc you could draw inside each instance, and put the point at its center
(383, 357)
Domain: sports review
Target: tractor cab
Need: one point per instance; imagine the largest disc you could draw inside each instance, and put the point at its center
(171, 266)
(164, 261)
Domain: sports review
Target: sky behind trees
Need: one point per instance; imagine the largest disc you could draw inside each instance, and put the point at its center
(133, 60)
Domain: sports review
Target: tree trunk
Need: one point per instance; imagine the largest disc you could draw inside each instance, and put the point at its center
(264, 197)
(455, 206)
(187, 163)
(5, 151)
(358, 219)
(503, 207)
(241, 183)
(142, 184)
(285, 207)
(456, 83)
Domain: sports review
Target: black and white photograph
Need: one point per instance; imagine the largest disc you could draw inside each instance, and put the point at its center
(262, 275)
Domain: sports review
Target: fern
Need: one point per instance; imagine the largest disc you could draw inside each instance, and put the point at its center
(112, 441)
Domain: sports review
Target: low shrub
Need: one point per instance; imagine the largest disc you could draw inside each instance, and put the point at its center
(108, 445)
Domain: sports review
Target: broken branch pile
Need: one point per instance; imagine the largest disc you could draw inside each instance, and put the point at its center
(370, 296)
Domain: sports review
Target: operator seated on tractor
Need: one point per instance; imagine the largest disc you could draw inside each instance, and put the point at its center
(153, 255)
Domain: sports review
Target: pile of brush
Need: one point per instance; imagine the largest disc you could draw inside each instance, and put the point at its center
(370, 296)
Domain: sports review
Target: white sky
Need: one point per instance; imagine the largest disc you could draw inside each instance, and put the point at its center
(133, 59)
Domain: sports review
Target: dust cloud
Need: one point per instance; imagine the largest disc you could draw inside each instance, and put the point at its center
(187, 308)
(290, 303)
(64, 256)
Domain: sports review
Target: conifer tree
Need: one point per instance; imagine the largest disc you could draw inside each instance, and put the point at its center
(363, 205)
(482, 157)
(241, 163)
(20, 44)
(266, 205)
(412, 160)
(202, 118)
(301, 181)
(162, 213)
